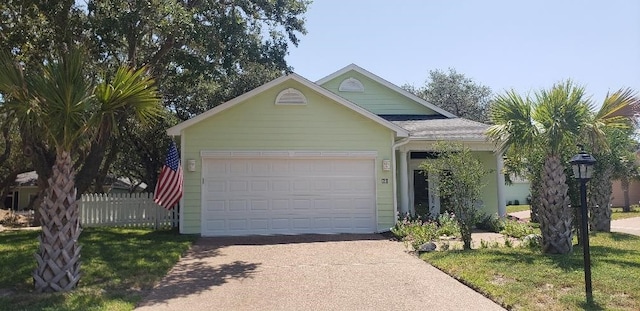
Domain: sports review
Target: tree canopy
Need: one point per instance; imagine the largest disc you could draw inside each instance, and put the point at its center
(200, 52)
(454, 92)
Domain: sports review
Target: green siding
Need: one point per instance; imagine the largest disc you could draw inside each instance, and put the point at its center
(259, 124)
(376, 97)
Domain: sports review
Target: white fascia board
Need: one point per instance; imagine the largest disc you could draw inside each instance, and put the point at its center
(388, 84)
(177, 129)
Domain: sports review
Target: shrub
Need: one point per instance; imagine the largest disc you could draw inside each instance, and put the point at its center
(415, 231)
(532, 241)
(516, 229)
(516, 202)
(448, 225)
(491, 223)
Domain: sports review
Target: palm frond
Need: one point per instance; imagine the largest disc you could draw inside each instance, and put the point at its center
(618, 111)
(513, 125)
(129, 91)
(562, 112)
(63, 94)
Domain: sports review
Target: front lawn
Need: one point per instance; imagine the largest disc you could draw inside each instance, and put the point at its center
(118, 266)
(617, 213)
(517, 208)
(524, 279)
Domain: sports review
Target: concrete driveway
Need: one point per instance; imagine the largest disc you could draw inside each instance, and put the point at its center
(310, 272)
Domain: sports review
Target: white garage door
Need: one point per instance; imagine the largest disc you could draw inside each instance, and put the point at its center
(288, 196)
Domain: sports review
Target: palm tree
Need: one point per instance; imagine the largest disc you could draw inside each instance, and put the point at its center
(548, 123)
(61, 106)
(552, 123)
(609, 134)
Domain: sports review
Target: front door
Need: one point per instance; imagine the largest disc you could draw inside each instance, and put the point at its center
(421, 192)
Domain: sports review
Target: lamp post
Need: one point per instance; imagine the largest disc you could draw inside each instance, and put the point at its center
(582, 164)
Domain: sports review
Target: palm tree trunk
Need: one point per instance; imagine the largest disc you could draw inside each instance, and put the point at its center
(58, 257)
(555, 215)
(625, 189)
(600, 199)
(536, 192)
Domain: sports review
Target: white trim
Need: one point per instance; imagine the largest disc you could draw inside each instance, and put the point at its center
(177, 129)
(310, 154)
(183, 141)
(394, 177)
(291, 97)
(502, 205)
(388, 84)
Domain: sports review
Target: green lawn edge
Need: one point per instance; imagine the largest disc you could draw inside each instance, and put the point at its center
(119, 266)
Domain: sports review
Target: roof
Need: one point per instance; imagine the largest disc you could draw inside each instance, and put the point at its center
(389, 85)
(31, 179)
(27, 179)
(177, 129)
(441, 129)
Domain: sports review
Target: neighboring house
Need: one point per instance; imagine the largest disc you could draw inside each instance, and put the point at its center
(25, 189)
(518, 192)
(617, 196)
(337, 156)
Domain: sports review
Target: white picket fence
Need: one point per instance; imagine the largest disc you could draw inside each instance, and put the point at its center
(124, 210)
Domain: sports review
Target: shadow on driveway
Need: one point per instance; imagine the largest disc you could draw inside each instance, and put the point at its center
(199, 270)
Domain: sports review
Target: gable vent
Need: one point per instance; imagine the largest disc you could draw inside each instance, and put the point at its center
(351, 85)
(291, 96)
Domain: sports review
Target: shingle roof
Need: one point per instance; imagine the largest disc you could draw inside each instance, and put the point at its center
(454, 128)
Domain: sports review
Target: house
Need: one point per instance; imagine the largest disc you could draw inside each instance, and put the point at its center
(25, 189)
(618, 192)
(337, 156)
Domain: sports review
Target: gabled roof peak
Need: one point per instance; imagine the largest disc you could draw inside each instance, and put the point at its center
(378, 79)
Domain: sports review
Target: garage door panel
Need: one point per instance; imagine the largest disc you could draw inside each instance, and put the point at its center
(288, 196)
(239, 205)
(259, 185)
(281, 185)
(280, 204)
(216, 205)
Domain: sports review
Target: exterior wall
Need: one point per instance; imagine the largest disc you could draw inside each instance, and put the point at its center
(617, 199)
(517, 191)
(23, 196)
(377, 98)
(259, 124)
(490, 191)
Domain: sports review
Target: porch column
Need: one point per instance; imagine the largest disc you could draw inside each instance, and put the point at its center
(502, 205)
(403, 183)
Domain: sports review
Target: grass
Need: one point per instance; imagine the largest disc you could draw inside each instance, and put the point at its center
(525, 279)
(118, 266)
(617, 212)
(517, 208)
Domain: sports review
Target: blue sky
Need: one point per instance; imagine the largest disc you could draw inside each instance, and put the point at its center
(524, 45)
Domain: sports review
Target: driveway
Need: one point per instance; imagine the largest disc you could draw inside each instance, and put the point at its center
(309, 272)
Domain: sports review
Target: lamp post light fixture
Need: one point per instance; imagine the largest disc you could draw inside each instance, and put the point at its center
(582, 164)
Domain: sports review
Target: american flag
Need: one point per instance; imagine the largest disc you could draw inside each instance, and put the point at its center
(169, 187)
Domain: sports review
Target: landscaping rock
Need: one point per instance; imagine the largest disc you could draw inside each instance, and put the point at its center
(427, 247)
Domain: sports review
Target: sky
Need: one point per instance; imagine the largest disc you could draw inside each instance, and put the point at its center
(521, 45)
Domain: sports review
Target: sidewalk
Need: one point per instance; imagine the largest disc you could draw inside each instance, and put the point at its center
(628, 225)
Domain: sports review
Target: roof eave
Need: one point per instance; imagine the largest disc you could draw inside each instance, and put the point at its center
(177, 129)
